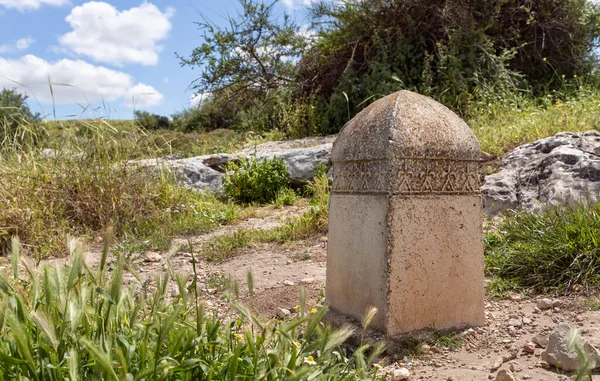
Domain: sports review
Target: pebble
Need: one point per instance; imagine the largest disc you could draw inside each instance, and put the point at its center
(529, 347)
(283, 313)
(400, 374)
(288, 283)
(544, 304)
(515, 322)
(505, 375)
(307, 281)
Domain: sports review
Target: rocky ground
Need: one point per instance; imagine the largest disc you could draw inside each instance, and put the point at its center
(509, 345)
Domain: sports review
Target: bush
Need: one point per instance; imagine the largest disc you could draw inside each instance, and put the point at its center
(19, 127)
(152, 122)
(556, 250)
(72, 322)
(444, 49)
(251, 180)
(207, 116)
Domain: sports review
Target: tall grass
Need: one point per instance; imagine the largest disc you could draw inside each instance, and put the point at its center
(83, 324)
(556, 250)
(94, 184)
(502, 124)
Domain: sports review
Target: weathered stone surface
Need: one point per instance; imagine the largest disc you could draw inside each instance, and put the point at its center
(405, 218)
(206, 172)
(559, 355)
(505, 375)
(560, 169)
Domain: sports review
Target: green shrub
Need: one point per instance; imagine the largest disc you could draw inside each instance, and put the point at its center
(285, 197)
(72, 322)
(152, 121)
(251, 180)
(555, 250)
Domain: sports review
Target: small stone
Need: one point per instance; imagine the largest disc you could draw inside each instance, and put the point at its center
(153, 257)
(526, 376)
(527, 321)
(529, 347)
(558, 354)
(307, 281)
(400, 374)
(283, 313)
(540, 340)
(451, 379)
(425, 349)
(505, 375)
(288, 283)
(536, 310)
(544, 304)
(579, 318)
(514, 297)
(515, 322)
(497, 364)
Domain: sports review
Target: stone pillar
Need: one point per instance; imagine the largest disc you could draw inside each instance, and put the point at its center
(405, 219)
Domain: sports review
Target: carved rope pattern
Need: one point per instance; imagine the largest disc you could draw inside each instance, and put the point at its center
(406, 176)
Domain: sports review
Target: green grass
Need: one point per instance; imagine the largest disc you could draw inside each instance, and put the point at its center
(592, 304)
(557, 250)
(45, 198)
(501, 126)
(126, 134)
(73, 322)
(310, 224)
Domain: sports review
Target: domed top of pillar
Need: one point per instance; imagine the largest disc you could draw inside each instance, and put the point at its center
(407, 125)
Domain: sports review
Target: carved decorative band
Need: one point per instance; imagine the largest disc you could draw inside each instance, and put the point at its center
(406, 176)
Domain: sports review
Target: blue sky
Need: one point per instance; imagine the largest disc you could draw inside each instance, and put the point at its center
(121, 53)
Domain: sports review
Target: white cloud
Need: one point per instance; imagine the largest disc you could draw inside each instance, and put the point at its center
(142, 96)
(197, 99)
(21, 44)
(24, 43)
(166, 79)
(108, 35)
(74, 81)
(23, 5)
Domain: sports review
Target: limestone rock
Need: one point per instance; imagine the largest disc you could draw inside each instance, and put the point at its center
(558, 355)
(206, 172)
(544, 304)
(505, 375)
(400, 374)
(283, 313)
(560, 169)
(540, 340)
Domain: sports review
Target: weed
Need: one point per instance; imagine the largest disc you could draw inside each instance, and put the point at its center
(451, 340)
(500, 287)
(227, 245)
(44, 198)
(285, 197)
(74, 322)
(220, 282)
(302, 256)
(253, 180)
(555, 250)
(592, 304)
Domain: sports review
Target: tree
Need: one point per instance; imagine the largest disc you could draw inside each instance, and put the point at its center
(14, 108)
(254, 55)
(18, 125)
(152, 121)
